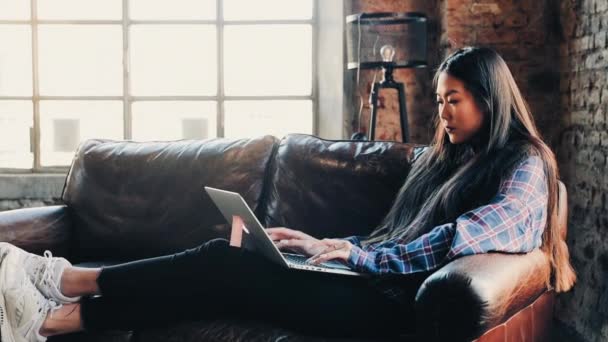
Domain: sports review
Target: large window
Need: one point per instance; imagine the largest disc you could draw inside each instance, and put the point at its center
(144, 70)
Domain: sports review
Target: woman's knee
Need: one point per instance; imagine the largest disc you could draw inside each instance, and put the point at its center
(214, 247)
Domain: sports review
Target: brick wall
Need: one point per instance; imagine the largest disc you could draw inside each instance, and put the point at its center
(526, 34)
(582, 155)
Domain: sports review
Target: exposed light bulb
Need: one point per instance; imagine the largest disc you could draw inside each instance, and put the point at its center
(387, 52)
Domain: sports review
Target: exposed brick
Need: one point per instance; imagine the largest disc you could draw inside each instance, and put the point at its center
(506, 36)
(582, 43)
(597, 60)
(585, 65)
(581, 117)
(604, 139)
(599, 40)
(599, 117)
(516, 20)
(594, 97)
(486, 8)
(595, 24)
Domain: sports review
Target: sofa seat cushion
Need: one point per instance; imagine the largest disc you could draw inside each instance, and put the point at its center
(230, 331)
(107, 336)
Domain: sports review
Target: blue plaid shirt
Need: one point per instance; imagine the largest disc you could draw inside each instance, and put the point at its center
(512, 222)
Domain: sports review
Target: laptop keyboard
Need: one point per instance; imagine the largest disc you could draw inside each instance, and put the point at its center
(301, 260)
(297, 259)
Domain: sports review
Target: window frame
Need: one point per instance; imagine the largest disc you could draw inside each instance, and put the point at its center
(127, 99)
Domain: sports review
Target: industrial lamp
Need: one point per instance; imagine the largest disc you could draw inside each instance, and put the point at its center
(386, 41)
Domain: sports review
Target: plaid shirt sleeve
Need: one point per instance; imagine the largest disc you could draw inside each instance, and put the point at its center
(512, 222)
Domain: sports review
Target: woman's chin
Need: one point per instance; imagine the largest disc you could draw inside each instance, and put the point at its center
(454, 140)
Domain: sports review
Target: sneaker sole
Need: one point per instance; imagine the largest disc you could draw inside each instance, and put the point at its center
(6, 332)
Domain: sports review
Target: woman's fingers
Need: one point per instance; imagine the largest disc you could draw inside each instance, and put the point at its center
(282, 233)
(291, 244)
(306, 247)
(338, 254)
(335, 250)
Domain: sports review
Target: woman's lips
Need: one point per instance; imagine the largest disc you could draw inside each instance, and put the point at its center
(450, 129)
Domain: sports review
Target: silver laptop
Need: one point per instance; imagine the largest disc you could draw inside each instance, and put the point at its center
(232, 204)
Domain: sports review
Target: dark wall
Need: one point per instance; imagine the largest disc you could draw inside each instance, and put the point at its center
(582, 154)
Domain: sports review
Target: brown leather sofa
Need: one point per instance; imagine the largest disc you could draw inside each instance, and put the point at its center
(126, 200)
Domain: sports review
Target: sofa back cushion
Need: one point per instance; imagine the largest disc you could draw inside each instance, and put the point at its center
(132, 200)
(333, 188)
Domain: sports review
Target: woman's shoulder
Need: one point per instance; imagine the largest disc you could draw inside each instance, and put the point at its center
(527, 179)
(531, 162)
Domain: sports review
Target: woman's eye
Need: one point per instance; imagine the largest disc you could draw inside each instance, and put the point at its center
(439, 102)
(453, 102)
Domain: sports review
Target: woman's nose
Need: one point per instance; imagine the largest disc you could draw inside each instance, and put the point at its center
(444, 112)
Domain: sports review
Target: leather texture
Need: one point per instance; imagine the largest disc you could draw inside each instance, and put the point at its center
(225, 330)
(37, 229)
(333, 188)
(127, 200)
(533, 323)
(484, 291)
(135, 200)
(472, 294)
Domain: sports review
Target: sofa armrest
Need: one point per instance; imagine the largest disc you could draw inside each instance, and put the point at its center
(37, 229)
(470, 295)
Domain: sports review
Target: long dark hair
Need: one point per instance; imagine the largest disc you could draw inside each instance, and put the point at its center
(450, 179)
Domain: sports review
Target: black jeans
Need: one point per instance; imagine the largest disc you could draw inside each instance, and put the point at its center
(218, 281)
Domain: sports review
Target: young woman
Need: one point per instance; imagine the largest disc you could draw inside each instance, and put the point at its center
(486, 183)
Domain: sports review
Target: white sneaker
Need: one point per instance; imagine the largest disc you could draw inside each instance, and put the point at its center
(44, 271)
(25, 308)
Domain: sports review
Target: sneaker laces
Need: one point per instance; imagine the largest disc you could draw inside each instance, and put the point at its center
(47, 275)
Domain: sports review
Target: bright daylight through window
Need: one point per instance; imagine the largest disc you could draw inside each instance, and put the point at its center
(142, 70)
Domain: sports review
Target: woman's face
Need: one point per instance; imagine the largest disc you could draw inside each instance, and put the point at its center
(460, 116)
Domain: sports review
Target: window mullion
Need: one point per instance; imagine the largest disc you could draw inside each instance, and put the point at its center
(315, 74)
(126, 100)
(35, 86)
(220, 68)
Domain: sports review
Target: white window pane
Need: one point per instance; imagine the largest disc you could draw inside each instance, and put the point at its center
(15, 9)
(80, 60)
(174, 120)
(65, 124)
(15, 60)
(173, 60)
(267, 9)
(268, 60)
(15, 124)
(278, 117)
(172, 10)
(80, 9)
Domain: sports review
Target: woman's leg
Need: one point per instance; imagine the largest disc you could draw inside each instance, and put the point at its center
(79, 281)
(64, 320)
(217, 281)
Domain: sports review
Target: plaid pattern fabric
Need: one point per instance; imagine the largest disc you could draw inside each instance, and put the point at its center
(512, 222)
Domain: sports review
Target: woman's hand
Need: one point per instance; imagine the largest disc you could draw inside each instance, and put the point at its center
(302, 243)
(282, 233)
(294, 241)
(336, 250)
